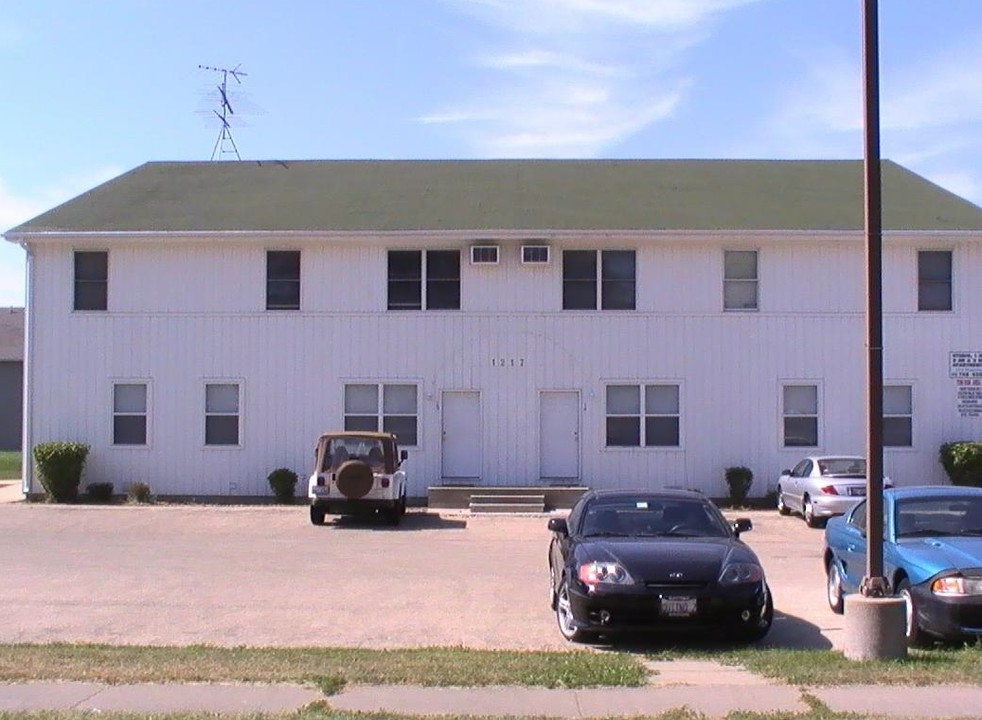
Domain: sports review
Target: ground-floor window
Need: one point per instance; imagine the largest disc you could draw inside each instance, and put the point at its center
(389, 407)
(800, 413)
(222, 413)
(898, 412)
(130, 413)
(643, 415)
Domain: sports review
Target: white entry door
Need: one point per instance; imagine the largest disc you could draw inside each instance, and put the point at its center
(559, 435)
(461, 442)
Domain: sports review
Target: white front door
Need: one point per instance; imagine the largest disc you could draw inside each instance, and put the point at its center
(559, 435)
(461, 437)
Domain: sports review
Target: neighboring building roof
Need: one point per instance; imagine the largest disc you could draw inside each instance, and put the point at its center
(380, 195)
(11, 334)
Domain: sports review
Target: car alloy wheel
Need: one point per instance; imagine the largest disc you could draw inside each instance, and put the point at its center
(834, 588)
(915, 636)
(564, 617)
(782, 508)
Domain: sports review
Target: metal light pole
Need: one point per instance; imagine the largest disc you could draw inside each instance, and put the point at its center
(875, 623)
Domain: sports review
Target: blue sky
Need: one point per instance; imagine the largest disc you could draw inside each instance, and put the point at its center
(92, 89)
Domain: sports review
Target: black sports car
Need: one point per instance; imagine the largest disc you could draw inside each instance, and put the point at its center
(660, 560)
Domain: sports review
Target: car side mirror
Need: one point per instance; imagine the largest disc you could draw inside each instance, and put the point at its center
(742, 525)
(558, 525)
(403, 454)
(785, 472)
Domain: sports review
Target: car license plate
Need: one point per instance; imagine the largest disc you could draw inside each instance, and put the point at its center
(678, 606)
(321, 490)
(861, 491)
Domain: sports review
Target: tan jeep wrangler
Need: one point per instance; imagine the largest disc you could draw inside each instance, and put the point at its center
(357, 472)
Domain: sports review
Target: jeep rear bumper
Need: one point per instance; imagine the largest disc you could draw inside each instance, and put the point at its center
(344, 506)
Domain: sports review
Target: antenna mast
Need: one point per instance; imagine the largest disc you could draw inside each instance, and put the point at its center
(225, 133)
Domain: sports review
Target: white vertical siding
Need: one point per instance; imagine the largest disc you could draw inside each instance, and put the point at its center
(184, 314)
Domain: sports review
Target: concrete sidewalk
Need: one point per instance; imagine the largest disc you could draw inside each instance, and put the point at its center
(702, 687)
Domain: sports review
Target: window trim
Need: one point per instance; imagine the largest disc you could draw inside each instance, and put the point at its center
(380, 405)
(238, 382)
(75, 280)
(643, 415)
(755, 280)
(820, 407)
(533, 247)
(951, 280)
(476, 251)
(298, 281)
(147, 413)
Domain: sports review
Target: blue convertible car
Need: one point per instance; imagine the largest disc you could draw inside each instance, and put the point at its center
(932, 557)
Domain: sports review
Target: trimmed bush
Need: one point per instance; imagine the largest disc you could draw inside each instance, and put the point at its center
(59, 466)
(139, 492)
(962, 460)
(738, 480)
(100, 491)
(283, 482)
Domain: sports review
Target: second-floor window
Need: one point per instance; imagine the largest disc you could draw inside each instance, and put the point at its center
(604, 279)
(427, 280)
(740, 280)
(934, 280)
(283, 280)
(91, 280)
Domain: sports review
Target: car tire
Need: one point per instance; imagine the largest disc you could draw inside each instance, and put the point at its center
(392, 515)
(564, 617)
(915, 636)
(808, 513)
(758, 631)
(833, 588)
(317, 515)
(782, 508)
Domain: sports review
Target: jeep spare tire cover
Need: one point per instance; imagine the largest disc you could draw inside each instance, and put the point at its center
(354, 479)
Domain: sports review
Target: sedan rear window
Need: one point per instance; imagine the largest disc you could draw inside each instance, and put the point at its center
(842, 466)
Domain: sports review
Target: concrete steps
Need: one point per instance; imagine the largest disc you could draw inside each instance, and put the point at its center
(507, 503)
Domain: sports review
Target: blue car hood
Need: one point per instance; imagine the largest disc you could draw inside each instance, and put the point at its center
(933, 555)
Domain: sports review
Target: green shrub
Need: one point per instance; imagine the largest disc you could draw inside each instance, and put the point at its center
(59, 466)
(738, 480)
(962, 460)
(139, 492)
(100, 491)
(283, 481)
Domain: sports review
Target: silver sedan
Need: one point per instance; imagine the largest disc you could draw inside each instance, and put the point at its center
(820, 487)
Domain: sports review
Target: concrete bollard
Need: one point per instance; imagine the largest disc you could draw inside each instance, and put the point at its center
(875, 628)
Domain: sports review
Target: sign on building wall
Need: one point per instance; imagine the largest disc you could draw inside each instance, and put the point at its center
(966, 369)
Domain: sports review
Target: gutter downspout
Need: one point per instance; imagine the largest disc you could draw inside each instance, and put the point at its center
(27, 437)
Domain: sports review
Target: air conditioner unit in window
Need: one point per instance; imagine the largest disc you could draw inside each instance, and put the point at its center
(535, 254)
(484, 254)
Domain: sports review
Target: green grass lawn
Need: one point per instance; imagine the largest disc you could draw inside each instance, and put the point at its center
(9, 465)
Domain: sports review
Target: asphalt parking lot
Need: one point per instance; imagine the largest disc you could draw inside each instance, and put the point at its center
(220, 575)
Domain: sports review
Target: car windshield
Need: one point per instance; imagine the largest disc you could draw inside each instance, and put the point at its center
(923, 517)
(652, 517)
(842, 466)
(341, 449)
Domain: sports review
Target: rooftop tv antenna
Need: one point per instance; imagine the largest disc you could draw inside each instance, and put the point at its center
(225, 132)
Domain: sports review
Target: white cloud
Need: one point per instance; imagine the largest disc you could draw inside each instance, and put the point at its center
(574, 77)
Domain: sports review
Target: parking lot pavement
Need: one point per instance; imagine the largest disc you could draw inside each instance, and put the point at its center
(264, 576)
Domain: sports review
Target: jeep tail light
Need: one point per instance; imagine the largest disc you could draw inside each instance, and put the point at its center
(320, 480)
(384, 482)
(829, 490)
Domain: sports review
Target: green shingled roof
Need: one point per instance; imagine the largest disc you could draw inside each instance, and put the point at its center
(378, 195)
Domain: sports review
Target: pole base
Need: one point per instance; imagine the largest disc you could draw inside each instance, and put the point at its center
(875, 628)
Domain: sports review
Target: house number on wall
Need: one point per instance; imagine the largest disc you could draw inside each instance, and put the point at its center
(502, 362)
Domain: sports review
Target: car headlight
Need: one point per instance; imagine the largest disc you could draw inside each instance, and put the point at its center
(593, 574)
(739, 573)
(957, 585)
